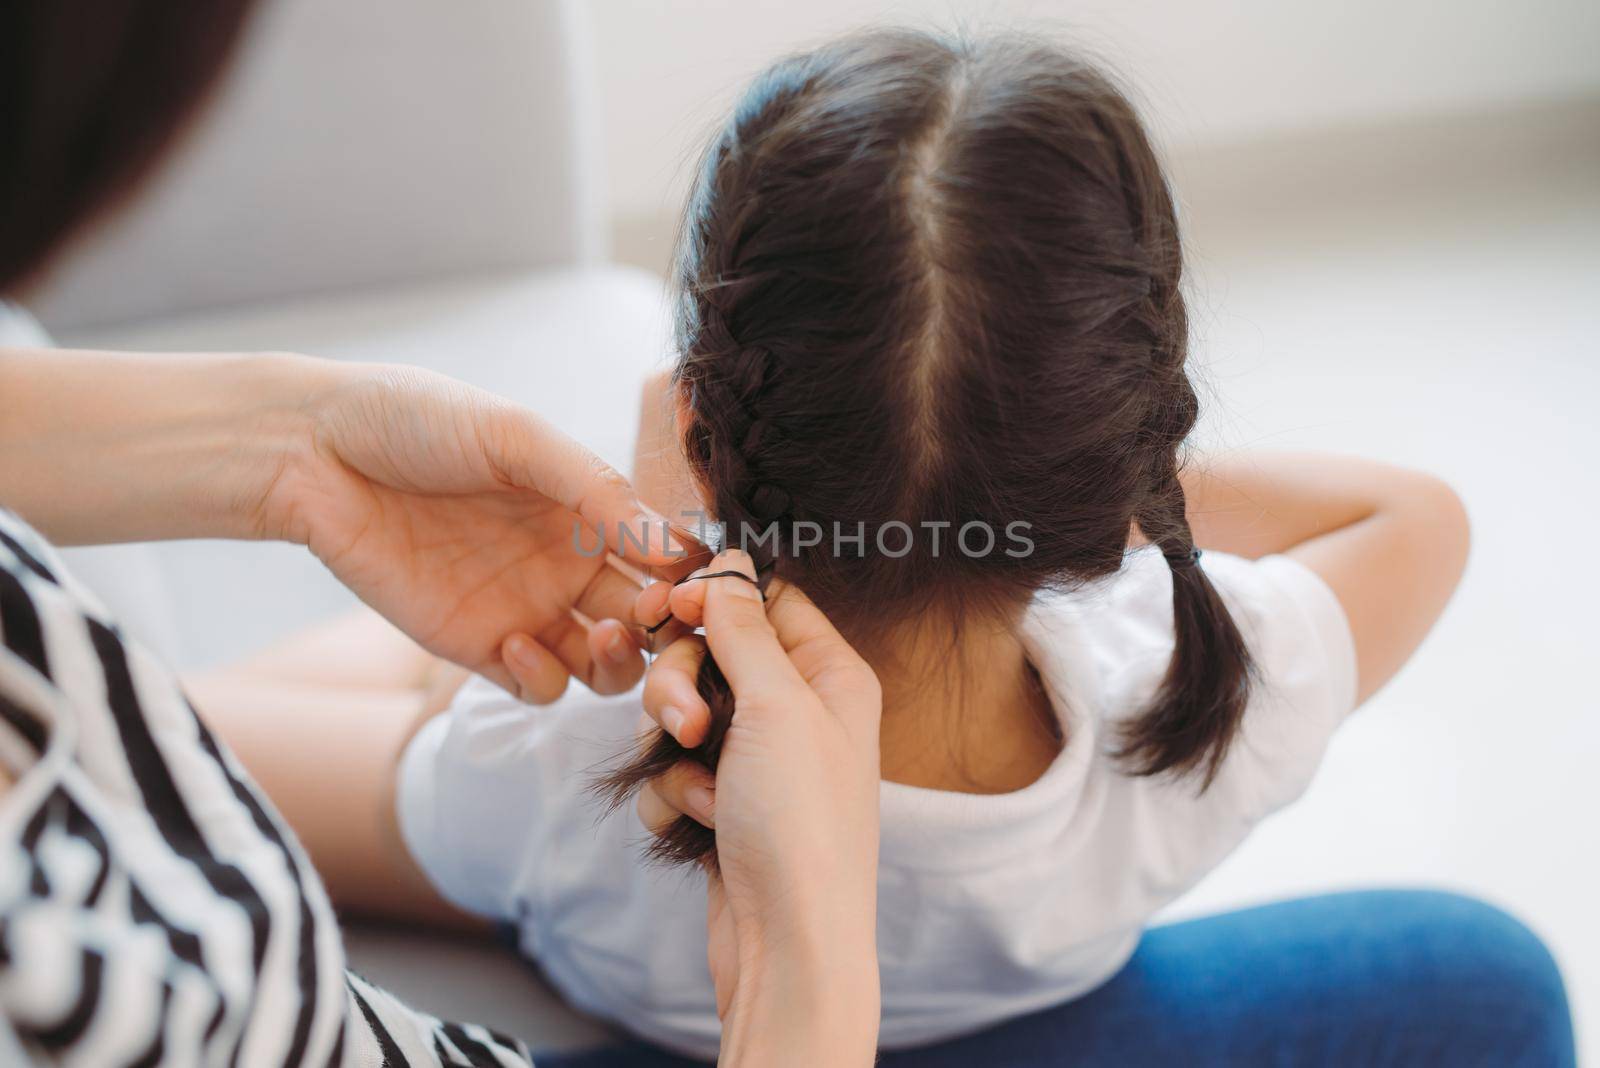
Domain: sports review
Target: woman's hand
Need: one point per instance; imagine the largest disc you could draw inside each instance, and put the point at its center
(792, 917)
(449, 510)
(455, 514)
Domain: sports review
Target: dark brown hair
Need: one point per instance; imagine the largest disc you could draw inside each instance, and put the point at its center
(91, 93)
(925, 281)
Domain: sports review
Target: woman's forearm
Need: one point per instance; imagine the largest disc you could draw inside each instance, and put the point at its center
(797, 1009)
(98, 446)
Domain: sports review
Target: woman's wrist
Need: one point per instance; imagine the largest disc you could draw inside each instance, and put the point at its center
(804, 1002)
(98, 447)
(279, 452)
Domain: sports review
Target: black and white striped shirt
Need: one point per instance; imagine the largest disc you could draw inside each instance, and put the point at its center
(154, 909)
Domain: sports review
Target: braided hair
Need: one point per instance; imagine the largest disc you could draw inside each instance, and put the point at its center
(928, 283)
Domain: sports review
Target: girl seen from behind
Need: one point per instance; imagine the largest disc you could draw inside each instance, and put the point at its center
(928, 288)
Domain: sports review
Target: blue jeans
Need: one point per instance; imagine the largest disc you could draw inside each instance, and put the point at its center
(1385, 977)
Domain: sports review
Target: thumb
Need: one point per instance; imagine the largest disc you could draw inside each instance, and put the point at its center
(535, 455)
(829, 664)
(741, 637)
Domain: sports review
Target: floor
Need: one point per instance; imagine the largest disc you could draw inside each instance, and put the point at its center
(1432, 296)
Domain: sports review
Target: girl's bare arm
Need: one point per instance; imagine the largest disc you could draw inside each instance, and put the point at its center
(1390, 542)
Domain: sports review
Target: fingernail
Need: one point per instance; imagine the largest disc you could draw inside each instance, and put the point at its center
(672, 719)
(702, 803)
(521, 650)
(619, 648)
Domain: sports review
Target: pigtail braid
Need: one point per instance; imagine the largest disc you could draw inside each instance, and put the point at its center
(726, 442)
(1198, 709)
(1200, 704)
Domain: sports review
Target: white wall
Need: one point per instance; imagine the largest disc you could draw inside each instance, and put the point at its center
(1212, 72)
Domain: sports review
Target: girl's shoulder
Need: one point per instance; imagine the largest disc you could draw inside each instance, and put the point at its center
(1111, 643)
(1123, 623)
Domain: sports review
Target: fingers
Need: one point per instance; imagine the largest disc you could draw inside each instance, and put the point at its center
(797, 621)
(695, 555)
(832, 668)
(733, 614)
(815, 646)
(670, 695)
(586, 656)
(658, 628)
(650, 604)
(816, 650)
(740, 635)
(687, 602)
(611, 594)
(686, 790)
(604, 655)
(607, 657)
(530, 671)
(615, 658)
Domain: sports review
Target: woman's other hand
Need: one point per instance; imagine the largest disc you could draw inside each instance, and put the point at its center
(792, 916)
(453, 513)
(449, 510)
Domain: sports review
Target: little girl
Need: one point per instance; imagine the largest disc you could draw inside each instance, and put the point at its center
(931, 307)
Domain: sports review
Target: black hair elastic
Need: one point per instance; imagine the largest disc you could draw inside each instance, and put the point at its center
(1184, 560)
(710, 575)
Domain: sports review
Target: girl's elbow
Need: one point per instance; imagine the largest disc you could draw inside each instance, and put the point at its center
(1443, 522)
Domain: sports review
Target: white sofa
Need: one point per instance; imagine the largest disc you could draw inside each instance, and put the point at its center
(400, 180)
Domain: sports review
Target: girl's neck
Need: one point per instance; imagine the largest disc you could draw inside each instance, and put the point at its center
(963, 710)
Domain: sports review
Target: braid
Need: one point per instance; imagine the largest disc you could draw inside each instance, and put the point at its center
(726, 443)
(1162, 513)
(1200, 704)
(729, 440)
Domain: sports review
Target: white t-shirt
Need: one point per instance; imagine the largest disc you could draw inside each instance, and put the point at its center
(990, 906)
